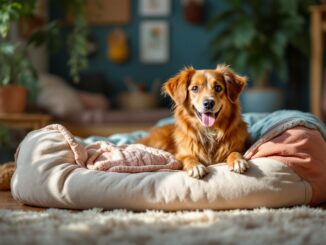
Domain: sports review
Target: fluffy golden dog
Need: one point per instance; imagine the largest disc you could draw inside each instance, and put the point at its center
(209, 128)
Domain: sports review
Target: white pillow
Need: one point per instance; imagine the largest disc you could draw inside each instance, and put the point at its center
(56, 96)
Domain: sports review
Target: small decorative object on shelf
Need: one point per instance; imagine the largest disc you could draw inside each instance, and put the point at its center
(118, 50)
(193, 10)
(136, 98)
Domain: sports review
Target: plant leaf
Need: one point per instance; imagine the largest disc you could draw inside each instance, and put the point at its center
(244, 32)
(223, 16)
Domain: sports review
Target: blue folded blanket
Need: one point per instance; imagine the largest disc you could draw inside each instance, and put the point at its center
(259, 124)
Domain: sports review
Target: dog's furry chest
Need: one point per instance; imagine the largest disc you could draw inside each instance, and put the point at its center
(214, 147)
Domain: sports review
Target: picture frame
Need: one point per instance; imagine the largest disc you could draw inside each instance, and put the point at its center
(106, 12)
(154, 42)
(154, 8)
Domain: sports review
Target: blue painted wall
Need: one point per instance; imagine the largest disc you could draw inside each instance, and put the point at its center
(189, 45)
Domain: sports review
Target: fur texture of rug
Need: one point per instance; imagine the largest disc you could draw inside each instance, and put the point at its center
(298, 225)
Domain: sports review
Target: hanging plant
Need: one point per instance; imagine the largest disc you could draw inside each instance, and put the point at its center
(76, 41)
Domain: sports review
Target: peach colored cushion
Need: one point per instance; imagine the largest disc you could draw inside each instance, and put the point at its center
(303, 150)
(48, 176)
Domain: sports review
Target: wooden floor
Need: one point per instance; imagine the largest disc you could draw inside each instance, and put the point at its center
(8, 202)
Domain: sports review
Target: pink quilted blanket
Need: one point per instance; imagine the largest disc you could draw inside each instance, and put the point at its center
(104, 156)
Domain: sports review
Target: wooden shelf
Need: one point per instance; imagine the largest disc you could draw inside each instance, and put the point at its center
(24, 120)
(110, 122)
(106, 124)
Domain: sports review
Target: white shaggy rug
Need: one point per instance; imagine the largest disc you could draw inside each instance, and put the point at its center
(300, 225)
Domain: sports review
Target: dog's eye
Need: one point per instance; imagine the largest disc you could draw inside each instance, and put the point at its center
(195, 89)
(218, 88)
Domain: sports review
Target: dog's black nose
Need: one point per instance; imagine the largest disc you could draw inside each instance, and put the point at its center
(208, 104)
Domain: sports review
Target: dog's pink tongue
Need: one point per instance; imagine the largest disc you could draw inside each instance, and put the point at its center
(208, 119)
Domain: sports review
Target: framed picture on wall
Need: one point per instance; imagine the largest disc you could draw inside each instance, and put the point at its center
(154, 7)
(154, 42)
(106, 12)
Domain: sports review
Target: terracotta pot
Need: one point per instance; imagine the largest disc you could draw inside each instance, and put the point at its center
(13, 99)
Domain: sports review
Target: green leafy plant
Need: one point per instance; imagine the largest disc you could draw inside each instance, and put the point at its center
(253, 36)
(77, 44)
(12, 11)
(4, 136)
(16, 68)
(51, 34)
(76, 40)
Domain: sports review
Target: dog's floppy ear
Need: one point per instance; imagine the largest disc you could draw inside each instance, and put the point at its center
(234, 82)
(176, 87)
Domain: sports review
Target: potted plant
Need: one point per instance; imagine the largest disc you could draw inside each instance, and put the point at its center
(17, 75)
(17, 79)
(253, 37)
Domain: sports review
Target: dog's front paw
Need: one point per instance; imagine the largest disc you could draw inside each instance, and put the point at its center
(239, 166)
(198, 171)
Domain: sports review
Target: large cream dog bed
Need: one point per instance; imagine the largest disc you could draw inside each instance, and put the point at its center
(287, 167)
(47, 176)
